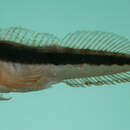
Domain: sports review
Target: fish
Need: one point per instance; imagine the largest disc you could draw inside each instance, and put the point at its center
(34, 61)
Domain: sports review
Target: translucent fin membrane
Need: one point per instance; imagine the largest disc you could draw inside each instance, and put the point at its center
(93, 40)
(28, 37)
(96, 40)
(99, 80)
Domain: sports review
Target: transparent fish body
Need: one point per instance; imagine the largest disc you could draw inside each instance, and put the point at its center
(20, 77)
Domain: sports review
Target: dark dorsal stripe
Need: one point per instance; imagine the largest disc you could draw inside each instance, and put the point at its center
(14, 52)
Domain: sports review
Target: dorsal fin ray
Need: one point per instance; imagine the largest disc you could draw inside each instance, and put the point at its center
(96, 40)
(93, 40)
(28, 37)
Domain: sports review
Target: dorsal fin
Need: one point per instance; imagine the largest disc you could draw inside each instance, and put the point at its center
(96, 40)
(28, 37)
(93, 40)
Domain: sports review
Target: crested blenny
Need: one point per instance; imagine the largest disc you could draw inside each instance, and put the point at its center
(32, 61)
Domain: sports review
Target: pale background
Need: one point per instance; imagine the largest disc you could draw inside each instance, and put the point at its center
(64, 108)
